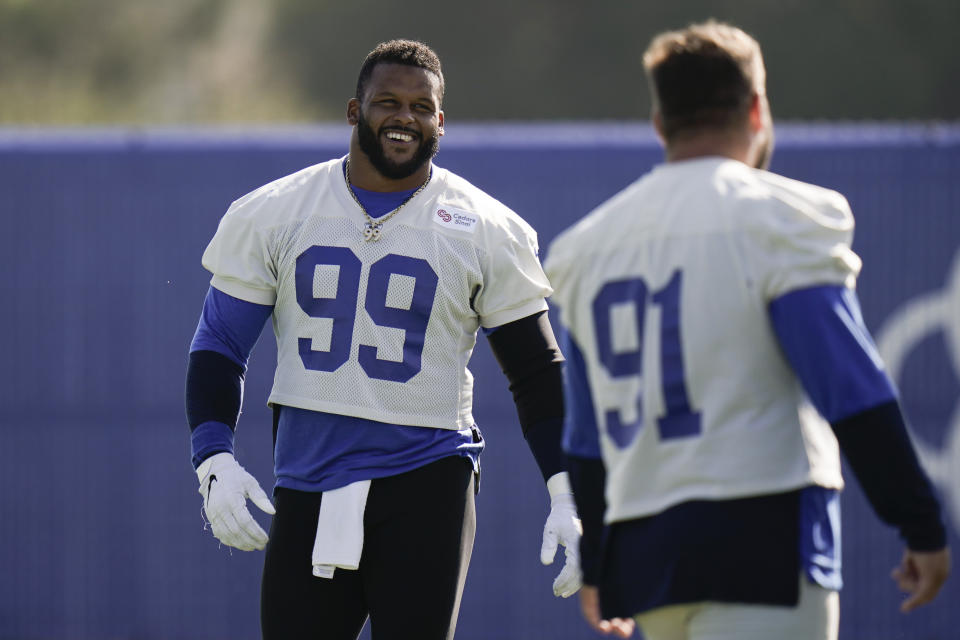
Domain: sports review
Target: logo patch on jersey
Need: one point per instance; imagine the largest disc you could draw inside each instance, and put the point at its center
(456, 219)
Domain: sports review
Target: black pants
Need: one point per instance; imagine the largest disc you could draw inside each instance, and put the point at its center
(418, 537)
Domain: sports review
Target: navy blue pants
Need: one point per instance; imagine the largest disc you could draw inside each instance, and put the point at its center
(418, 537)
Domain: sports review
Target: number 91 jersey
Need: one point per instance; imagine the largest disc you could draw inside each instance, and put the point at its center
(379, 330)
(664, 291)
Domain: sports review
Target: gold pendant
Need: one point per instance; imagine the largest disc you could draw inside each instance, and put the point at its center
(371, 232)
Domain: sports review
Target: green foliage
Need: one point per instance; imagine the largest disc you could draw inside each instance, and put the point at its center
(208, 61)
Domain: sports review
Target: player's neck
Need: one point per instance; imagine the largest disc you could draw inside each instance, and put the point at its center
(364, 175)
(705, 144)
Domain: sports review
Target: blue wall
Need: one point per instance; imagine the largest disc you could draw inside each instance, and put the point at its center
(101, 534)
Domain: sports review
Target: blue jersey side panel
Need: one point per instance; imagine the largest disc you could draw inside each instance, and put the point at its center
(820, 536)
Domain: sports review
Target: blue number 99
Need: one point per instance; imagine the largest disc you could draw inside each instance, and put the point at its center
(413, 320)
(342, 310)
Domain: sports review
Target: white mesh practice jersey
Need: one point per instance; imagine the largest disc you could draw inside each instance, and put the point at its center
(664, 289)
(378, 330)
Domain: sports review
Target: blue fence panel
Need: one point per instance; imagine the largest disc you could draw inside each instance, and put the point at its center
(101, 534)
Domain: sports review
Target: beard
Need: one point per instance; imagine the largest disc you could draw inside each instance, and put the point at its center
(765, 151)
(370, 144)
(765, 147)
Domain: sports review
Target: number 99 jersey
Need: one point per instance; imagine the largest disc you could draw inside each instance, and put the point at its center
(378, 330)
(663, 291)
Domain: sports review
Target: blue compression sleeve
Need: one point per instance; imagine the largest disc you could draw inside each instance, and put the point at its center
(823, 336)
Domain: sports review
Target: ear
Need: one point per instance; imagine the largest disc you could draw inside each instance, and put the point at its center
(353, 111)
(440, 120)
(757, 120)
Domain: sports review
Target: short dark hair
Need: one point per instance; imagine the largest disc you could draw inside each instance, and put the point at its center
(703, 77)
(408, 52)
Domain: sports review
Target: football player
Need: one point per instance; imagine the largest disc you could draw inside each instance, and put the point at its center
(377, 269)
(717, 365)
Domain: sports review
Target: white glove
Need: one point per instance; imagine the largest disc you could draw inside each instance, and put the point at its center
(225, 487)
(563, 527)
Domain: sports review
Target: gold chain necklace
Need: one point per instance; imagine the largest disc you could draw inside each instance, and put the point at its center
(373, 228)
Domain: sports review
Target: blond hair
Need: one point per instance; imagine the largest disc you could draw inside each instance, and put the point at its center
(703, 77)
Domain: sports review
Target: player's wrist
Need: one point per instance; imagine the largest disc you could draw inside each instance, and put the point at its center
(558, 486)
(216, 461)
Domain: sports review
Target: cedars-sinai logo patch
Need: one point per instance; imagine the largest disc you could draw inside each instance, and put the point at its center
(456, 219)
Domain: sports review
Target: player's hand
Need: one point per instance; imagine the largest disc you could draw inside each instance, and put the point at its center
(921, 574)
(590, 608)
(562, 528)
(225, 487)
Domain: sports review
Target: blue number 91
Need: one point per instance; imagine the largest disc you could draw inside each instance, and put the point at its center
(679, 421)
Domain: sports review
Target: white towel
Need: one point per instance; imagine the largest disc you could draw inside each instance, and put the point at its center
(339, 541)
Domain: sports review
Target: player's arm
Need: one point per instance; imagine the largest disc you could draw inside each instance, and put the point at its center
(531, 360)
(581, 446)
(225, 336)
(588, 478)
(822, 334)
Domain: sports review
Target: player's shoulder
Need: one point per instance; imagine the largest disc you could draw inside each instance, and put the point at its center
(272, 200)
(474, 206)
(795, 234)
(789, 206)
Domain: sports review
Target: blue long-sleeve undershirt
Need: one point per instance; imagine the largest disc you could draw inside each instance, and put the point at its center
(822, 333)
(315, 451)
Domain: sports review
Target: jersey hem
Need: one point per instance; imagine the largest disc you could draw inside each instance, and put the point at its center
(516, 313)
(236, 289)
(365, 413)
(343, 479)
(626, 513)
